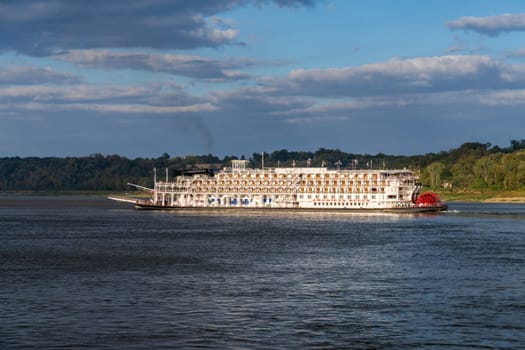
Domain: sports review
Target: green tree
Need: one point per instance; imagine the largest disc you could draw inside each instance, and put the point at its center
(433, 173)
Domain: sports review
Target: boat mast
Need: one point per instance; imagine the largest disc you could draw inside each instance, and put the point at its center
(154, 185)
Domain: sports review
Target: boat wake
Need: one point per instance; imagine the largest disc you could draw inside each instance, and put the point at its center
(486, 211)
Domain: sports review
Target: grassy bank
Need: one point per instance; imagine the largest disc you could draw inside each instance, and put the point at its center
(483, 196)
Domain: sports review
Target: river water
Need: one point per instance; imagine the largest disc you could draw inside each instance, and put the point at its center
(89, 273)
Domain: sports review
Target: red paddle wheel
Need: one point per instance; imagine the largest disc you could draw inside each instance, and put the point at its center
(428, 199)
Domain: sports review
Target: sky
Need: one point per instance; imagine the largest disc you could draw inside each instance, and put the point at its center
(234, 77)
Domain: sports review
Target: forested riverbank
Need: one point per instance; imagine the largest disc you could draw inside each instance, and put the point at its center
(473, 171)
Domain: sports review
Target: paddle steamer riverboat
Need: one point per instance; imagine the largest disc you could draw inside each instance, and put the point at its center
(309, 188)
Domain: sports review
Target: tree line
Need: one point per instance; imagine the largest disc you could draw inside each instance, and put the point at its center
(476, 166)
(473, 165)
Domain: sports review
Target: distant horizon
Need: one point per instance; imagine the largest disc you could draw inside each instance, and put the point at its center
(249, 155)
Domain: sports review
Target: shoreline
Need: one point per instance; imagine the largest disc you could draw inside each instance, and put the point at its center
(483, 196)
(505, 200)
(517, 197)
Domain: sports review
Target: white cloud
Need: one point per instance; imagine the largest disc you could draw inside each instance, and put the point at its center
(131, 100)
(22, 75)
(185, 65)
(504, 98)
(108, 108)
(516, 53)
(398, 76)
(44, 28)
(315, 120)
(71, 93)
(492, 25)
(414, 69)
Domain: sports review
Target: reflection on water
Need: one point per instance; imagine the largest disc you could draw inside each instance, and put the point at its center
(87, 272)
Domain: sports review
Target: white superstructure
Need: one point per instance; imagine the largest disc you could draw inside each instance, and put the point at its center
(303, 187)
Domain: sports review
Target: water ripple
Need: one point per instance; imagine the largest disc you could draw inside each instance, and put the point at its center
(81, 273)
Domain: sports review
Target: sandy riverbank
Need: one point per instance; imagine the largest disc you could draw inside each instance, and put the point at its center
(505, 200)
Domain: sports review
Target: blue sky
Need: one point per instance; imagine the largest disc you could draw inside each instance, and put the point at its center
(140, 78)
